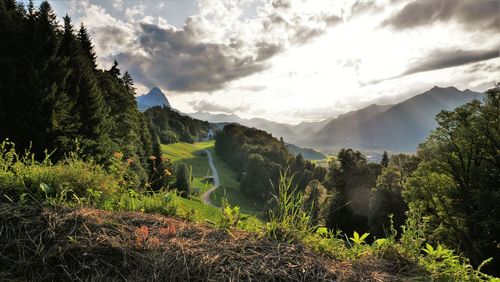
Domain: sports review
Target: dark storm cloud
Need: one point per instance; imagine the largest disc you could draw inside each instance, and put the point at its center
(206, 106)
(473, 14)
(440, 59)
(178, 61)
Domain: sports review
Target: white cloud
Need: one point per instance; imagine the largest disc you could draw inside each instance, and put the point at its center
(283, 60)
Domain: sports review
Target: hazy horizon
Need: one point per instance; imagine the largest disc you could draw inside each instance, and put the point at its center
(293, 61)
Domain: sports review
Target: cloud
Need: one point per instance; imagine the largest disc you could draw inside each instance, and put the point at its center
(475, 15)
(109, 36)
(281, 4)
(214, 48)
(440, 59)
(363, 6)
(177, 60)
(253, 88)
(267, 50)
(206, 106)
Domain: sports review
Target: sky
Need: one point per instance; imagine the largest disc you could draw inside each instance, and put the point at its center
(294, 60)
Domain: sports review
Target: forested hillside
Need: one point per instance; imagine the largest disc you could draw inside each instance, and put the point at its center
(55, 98)
(87, 191)
(258, 158)
(170, 126)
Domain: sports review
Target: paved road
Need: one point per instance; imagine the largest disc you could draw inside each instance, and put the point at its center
(205, 197)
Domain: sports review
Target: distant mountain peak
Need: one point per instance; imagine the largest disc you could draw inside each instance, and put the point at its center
(155, 91)
(155, 97)
(445, 88)
(401, 127)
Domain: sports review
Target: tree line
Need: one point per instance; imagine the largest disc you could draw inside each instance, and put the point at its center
(258, 157)
(54, 100)
(170, 126)
(451, 185)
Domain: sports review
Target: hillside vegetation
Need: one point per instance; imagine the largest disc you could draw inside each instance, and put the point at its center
(169, 126)
(87, 191)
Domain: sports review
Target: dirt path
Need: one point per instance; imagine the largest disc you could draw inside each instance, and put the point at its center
(205, 197)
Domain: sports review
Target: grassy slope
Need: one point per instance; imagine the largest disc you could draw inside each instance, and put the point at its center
(230, 188)
(190, 154)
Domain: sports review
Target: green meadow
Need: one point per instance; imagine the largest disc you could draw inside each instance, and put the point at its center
(193, 156)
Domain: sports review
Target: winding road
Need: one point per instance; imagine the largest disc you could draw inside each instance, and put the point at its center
(205, 197)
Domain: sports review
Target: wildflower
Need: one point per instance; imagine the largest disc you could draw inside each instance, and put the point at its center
(130, 161)
(164, 159)
(118, 155)
(167, 172)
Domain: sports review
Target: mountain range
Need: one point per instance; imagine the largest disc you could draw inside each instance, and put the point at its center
(399, 127)
(155, 97)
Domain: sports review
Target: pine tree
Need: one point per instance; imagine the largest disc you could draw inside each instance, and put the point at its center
(114, 70)
(182, 180)
(385, 160)
(52, 92)
(128, 82)
(31, 9)
(157, 178)
(86, 45)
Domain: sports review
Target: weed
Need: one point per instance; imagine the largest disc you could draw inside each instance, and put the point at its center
(287, 221)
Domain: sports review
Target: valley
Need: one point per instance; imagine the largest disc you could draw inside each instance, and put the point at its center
(194, 155)
(276, 140)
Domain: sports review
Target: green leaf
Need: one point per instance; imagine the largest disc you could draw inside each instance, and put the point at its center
(322, 231)
(363, 237)
(45, 188)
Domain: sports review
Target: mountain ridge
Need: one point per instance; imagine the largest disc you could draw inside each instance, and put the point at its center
(401, 127)
(155, 97)
(398, 127)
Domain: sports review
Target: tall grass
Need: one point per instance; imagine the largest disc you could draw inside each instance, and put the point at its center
(76, 182)
(288, 221)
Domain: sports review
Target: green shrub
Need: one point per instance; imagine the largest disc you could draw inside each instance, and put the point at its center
(230, 216)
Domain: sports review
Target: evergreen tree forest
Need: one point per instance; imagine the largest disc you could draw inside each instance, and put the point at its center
(53, 96)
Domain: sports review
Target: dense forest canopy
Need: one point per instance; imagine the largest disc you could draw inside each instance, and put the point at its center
(55, 102)
(452, 182)
(55, 98)
(258, 157)
(170, 126)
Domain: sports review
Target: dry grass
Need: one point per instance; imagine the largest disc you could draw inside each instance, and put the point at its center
(88, 244)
